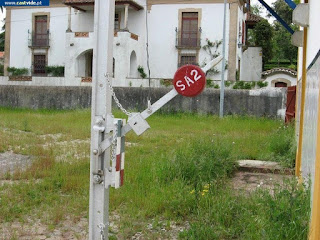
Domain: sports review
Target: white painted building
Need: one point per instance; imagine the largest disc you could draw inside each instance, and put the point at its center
(280, 77)
(177, 30)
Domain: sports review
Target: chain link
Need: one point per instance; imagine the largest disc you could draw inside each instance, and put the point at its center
(114, 144)
(102, 227)
(116, 100)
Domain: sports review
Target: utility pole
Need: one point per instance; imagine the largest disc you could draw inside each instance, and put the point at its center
(100, 118)
(223, 61)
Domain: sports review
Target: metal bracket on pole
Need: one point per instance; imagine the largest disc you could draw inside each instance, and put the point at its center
(291, 4)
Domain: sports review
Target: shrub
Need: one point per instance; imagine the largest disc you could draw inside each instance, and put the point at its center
(283, 146)
(293, 67)
(55, 71)
(166, 82)
(18, 71)
(209, 83)
(242, 85)
(198, 163)
(141, 71)
(1, 70)
(227, 83)
(262, 84)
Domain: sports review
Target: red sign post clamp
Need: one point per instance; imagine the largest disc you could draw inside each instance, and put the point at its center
(189, 80)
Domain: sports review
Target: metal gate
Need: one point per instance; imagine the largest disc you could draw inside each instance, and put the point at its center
(291, 104)
(39, 65)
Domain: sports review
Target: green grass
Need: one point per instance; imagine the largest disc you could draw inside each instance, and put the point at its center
(178, 171)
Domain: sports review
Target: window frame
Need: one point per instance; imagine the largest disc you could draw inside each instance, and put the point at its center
(180, 26)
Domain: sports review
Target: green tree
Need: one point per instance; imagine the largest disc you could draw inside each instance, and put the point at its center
(283, 10)
(2, 37)
(283, 49)
(256, 9)
(262, 36)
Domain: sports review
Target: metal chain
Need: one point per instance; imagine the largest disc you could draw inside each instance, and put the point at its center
(114, 144)
(102, 226)
(116, 100)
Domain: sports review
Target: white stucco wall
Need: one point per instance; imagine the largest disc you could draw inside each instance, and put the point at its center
(123, 47)
(73, 49)
(82, 21)
(164, 19)
(251, 64)
(281, 77)
(21, 22)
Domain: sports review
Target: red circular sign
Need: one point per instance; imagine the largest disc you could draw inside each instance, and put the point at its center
(189, 80)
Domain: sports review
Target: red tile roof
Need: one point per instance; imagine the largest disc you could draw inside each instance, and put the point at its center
(1, 54)
(279, 70)
(252, 18)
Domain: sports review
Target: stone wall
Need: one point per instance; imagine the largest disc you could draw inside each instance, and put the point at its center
(263, 102)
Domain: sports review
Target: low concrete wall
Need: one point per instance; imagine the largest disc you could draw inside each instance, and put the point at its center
(263, 102)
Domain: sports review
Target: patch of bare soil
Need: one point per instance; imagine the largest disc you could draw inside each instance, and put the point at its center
(35, 230)
(249, 181)
(71, 230)
(11, 162)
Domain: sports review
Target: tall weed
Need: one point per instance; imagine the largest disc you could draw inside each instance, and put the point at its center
(283, 146)
(198, 163)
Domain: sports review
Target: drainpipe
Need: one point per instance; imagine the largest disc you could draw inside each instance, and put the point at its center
(69, 20)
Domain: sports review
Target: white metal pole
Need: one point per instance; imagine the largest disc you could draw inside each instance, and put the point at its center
(101, 107)
(223, 60)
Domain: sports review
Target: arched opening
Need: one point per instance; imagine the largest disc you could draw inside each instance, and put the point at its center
(133, 65)
(280, 84)
(84, 64)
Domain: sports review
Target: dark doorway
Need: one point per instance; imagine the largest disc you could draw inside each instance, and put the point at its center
(280, 84)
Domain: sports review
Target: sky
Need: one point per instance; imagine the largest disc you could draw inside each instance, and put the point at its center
(269, 2)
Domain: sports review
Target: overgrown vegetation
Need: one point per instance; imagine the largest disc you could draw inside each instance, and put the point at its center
(166, 82)
(1, 70)
(13, 71)
(173, 180)
(237, 84)
(212, 49)
(283, 147)
(262, 84)
(243, 85)
(55, 71)
(141, 71)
